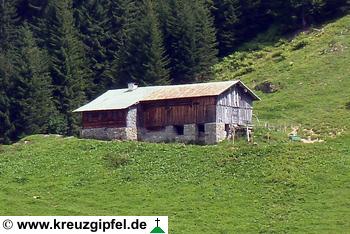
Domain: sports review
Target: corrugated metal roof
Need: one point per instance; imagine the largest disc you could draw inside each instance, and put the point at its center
(190, 90)
(117, 99)
(122, 98)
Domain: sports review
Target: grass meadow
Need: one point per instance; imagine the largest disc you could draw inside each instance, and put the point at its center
(271, 186)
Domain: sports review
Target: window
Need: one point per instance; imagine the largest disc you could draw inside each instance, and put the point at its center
(201, 128)
(179, 129)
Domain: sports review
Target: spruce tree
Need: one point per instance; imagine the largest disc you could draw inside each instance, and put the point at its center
(8, 20)
(191, 44)
(306, 12)
(144, 60)
(206, 42)
(68, 65)
(92, 21)
(31, 100)
(123, 16)
(156, 71)
(6, 126)
(227, 14)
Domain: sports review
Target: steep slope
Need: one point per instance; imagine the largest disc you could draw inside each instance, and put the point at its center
(311, 71)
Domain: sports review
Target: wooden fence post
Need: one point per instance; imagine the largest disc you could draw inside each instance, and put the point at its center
(247, 133)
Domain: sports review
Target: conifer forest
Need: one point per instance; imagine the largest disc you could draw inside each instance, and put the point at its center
(56, 55)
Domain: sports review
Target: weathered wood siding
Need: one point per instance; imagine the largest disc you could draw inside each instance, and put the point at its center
(234, 107)
(177, 112)
(101, 119)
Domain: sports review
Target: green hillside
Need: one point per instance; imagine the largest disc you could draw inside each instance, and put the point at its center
(273, 185)
(312, 72)
(276, 187)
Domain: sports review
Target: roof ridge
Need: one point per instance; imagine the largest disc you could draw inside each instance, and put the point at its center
(179, 85)
(121, 99)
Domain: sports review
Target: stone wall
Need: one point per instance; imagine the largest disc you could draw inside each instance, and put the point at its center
(214, 133)
(127, 133)
(104, 133)
(109, 133)
(131, 117)
(131, 123)
(169, 133)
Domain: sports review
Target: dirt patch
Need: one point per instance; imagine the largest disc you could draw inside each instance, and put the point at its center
(310, 141)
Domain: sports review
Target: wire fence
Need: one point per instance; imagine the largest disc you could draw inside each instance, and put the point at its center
(277, 127)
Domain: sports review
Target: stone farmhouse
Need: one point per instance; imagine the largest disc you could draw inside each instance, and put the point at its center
(204, 113)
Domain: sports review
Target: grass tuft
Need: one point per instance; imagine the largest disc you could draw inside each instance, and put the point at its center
(115, 160)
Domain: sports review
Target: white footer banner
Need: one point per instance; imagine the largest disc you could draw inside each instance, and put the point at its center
(83, 224)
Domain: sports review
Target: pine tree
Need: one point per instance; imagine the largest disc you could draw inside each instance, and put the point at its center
(8, 21)
(156, 71)
(191, 44)
(123, 16)
(92, 21)
(31, 101)
(206, 42)
(143, 60)
(7, 35)
(227, 14)
(6, 127)
(306, 12)
(68, 66)
(34, 13)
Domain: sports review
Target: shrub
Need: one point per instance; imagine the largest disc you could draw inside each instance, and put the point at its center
(259, 54)
(299, 45)
(57, 125)
(276, 54)
(116, 160)
(267, 87)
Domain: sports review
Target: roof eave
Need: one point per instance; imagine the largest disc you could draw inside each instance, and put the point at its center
(256, 97)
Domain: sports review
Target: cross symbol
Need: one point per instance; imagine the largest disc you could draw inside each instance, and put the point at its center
(157, 220)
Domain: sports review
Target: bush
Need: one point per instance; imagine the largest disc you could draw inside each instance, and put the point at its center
(259, 54)
(116, 160)
(299, 45)
(57, 125)
(276, 54)
(267, 87)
